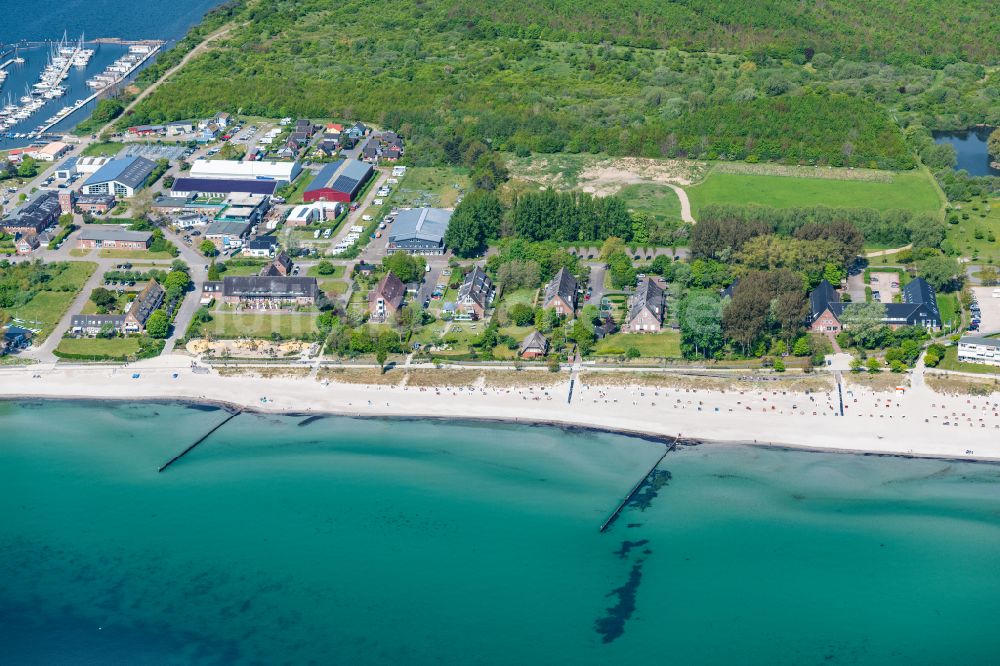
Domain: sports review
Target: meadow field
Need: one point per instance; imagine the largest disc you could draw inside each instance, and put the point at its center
(909, 190)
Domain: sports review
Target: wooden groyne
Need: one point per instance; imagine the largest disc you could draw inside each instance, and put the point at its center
(628, 498)
(199, 440)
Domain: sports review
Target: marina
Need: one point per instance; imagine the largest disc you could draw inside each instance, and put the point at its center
(29, 92)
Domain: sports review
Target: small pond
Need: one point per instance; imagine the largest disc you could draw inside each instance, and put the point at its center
(971, 148)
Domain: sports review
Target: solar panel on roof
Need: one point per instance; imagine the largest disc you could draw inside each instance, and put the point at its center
(345, 184)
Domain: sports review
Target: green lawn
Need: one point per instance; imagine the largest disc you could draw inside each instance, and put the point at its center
(984, 222)
(108, 148)
(133, 254)
(238, 270)
(236, 325)
(116, 347)
(950, 362)
(949, 309)
(74, 276)
(47, 307)
(91, 308)
(299, 185)
(653, 345)
(912, 190)
(338, 272)
(658, 201)
(525, 296)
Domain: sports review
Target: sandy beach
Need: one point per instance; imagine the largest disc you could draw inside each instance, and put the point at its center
(918, 422)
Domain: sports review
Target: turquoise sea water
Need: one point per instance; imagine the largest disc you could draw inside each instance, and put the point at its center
(343, 541)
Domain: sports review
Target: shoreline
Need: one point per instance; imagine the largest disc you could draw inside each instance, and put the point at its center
(728, 422)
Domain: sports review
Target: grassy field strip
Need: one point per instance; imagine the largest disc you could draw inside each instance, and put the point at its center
(912, 191)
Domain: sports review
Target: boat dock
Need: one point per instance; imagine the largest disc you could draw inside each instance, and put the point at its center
(154, 49)
(628, 498)
(198, 441)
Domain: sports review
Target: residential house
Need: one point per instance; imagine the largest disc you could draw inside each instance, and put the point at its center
(646, 307)
(210, 290)
(92, 324)
(605, 328)
(15, 337)
(26, 243)
(357, 131)
(262, 247)
(561, 293)
(371, 152)
(113, 237)
(281, 266)
(386, 298)
(143, 305)
(305, 127)
(475, 295)
(419, 231)
(269, 292)
(326, 148)
(534, 346)
(973, 349)
(918, 308)
(333, 128)
(391, 153)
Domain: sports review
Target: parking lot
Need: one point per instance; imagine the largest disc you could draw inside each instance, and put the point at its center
(153, 152)
(884, 286)
(990, 308)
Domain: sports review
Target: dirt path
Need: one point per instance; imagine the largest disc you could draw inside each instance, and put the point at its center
(221, 32)
(685, 202)
(882, 253)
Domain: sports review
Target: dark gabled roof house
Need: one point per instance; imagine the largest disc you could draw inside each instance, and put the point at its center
(534, 345)
(476, 293)
(148, 300)
(919, 308)
(646, 310)
(386, 298)
(560, 293)
(269, 288)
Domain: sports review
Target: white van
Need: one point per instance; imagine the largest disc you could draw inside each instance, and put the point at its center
(357, 229)
(317, 233)
(367, 218)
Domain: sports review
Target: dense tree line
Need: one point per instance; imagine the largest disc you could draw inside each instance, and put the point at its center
(536, 216)
(723, 229)
(501, 76)
(765, 302)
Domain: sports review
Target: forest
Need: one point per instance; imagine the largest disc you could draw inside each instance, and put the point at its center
(755, 81)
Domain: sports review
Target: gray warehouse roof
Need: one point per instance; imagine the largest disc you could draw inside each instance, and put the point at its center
(427, 224)
(115, 234)
(130, 171)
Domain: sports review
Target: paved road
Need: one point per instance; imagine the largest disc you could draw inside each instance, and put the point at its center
(597, 271)
(43, 352)
(222, 32)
